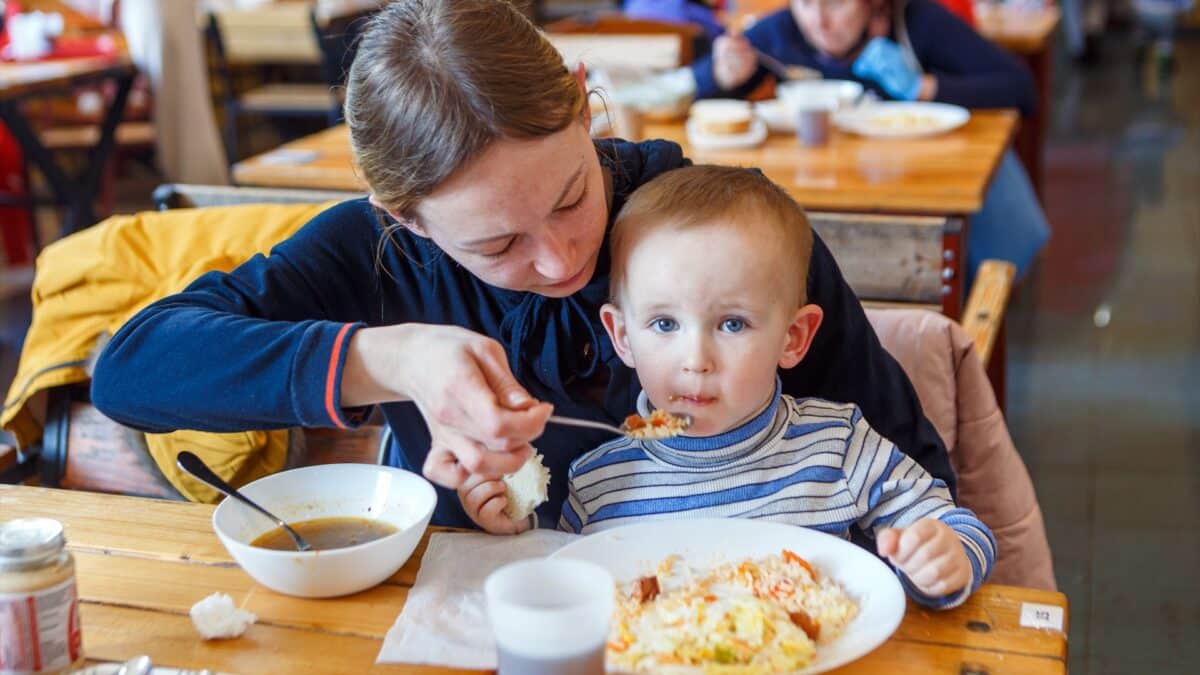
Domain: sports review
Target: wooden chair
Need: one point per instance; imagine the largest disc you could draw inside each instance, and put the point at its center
(283, 34)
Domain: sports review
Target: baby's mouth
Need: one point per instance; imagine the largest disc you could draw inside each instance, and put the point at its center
(692, 399)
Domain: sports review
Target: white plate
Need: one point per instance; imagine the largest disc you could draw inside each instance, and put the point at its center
(894, 119)
(752, 138)
(809, 94)
(634, 550)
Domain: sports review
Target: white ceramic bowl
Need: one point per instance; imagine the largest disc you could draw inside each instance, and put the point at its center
(392, 495)
(821, 94)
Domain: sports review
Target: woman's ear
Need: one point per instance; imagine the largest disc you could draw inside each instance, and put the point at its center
(580, 75)
(614, 324)
(800, 335)
(408, 223)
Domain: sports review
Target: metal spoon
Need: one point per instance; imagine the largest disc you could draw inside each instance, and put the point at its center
(783, 70)
(196, 466)
(138, 665)
(622, 430)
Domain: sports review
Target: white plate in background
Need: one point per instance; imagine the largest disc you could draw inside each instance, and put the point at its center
(752, 138)
(895, 119)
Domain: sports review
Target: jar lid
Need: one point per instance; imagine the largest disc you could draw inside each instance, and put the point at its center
(29, 539)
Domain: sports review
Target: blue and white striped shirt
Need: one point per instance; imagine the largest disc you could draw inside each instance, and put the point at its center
(804, 462)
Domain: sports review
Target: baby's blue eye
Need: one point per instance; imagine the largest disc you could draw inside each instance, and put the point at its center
(733, 325)
(664, 325)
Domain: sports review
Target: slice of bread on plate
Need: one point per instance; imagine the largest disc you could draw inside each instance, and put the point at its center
(721, 117)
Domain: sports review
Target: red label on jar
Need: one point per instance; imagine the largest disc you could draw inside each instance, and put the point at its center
(39, 630)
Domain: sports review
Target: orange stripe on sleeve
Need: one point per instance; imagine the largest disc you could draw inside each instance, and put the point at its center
(331, 406)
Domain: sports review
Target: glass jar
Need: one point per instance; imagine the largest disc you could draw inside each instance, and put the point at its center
(39, 607)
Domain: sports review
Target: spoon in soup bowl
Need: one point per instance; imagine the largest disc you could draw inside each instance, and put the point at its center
(195, 466)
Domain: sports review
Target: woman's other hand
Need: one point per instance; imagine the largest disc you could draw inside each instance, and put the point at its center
(883, 62)
(930, 554)
(484, 501)
(480, 419)
(734, 61)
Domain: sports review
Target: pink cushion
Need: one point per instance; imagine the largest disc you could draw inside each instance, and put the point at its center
(957, 398)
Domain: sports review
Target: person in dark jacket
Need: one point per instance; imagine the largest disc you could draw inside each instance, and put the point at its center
(463, 296)
(914, 50)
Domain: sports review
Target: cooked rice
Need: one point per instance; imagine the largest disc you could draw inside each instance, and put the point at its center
(736, 618)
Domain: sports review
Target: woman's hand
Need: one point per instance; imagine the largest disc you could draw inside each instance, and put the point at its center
(883, 62)
(734, 61)
(480, 419)
(930, 554)
(484, 501)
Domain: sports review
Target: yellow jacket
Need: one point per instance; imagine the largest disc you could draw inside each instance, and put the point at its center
(87, 285)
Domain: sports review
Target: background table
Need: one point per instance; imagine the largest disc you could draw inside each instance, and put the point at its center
(944, 176)
(19, 82)
(143, 563)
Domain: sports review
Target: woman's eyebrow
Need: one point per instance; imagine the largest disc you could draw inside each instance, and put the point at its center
(567, 187)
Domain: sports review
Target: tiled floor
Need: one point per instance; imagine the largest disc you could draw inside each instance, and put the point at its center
(1104, 353)
(1104, 362)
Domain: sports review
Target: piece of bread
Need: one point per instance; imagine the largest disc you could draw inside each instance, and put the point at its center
(721, 117)
(526, 489)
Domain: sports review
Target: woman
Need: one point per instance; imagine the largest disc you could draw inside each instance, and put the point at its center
(915, 51)
(464, 295)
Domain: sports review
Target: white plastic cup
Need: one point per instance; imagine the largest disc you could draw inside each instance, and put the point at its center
(550, 616)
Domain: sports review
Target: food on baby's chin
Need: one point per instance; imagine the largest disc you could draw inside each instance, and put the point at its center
(327, 533)
(215, 617)
(766, 615)
(526, 488)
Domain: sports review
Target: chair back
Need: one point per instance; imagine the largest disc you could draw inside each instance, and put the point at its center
(337, 37)
(273, 34)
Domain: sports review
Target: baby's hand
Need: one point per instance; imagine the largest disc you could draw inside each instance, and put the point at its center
(484, 501)
(930, 554)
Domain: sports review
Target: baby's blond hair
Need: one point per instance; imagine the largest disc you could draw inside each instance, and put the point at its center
(707, 196)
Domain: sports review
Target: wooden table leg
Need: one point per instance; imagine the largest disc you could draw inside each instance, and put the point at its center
(75, 194)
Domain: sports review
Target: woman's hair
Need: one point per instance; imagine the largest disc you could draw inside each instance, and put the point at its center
(434, 82)
(715, 196)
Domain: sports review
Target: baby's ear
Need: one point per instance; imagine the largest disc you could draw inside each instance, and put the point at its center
(800, 335)
(614, 323)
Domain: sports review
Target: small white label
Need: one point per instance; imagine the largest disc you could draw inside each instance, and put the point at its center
(1034, 615)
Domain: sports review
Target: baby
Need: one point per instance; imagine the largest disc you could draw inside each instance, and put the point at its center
(709, 270)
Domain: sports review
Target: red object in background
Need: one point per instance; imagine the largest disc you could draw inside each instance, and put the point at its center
(963, 9)
(16, 225)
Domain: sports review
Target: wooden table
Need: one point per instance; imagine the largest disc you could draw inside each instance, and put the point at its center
(22, 81)
(944, 176)
(143, 563)
(1028, 34)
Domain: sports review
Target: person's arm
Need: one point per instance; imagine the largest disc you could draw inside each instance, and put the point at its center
(261, 347)
(847, 363)
(969, 69)
(771, 35)
(276, 343)
(942, 553)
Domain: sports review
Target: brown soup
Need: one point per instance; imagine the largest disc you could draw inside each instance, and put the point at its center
(326, 533)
